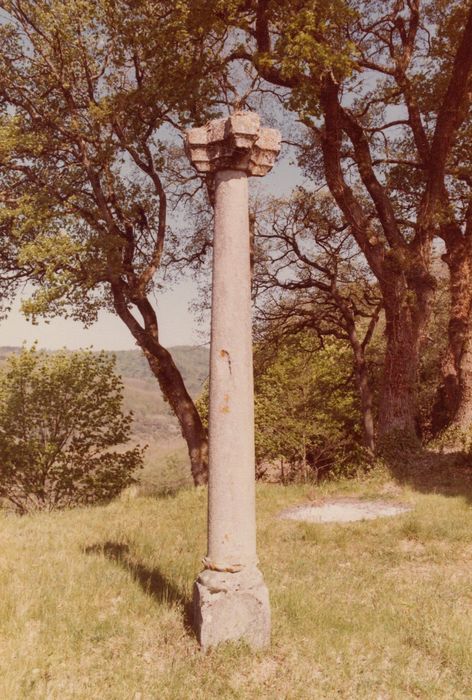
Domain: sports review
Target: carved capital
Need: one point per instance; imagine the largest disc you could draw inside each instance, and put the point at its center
(233, 143)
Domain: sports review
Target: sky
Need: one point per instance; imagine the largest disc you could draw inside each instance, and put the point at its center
(177, 324)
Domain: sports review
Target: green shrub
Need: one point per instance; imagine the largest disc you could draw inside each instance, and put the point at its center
(307, 410)
(60, 415)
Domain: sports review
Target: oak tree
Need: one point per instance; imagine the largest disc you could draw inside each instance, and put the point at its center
(93, 95)
(385, 109)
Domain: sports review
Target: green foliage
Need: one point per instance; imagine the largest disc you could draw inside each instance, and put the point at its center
(308, 39)
(93, 95)
(311, 41)
(399, 447)
(453, 439)
(202, 404)
(153, 421)
(60, 415)
(306, 409)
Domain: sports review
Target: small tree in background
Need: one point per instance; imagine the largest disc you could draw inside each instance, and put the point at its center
(310, 275)
(59, 416)
(307, 413)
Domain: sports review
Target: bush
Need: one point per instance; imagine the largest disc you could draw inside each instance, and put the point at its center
(306, 411)
(60, 415)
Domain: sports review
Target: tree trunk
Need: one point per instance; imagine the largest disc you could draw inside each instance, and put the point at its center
(456, 392)
(173, 388)
(170, 380)
(463, 416)
(365, 392)
(406, 318)
(446, 400)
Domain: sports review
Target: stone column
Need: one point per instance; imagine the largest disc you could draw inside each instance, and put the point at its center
(230, 597)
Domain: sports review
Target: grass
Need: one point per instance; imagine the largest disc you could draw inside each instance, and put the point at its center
(95, 602)
(166, 469)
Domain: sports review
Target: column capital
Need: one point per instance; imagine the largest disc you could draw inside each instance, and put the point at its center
(237, 142)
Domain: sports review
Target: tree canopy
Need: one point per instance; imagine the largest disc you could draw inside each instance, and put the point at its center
(93, 96)
(383, 91)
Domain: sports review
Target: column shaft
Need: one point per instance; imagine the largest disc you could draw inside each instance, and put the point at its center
(232, 522)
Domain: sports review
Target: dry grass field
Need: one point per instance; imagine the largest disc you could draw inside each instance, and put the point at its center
(95, 602)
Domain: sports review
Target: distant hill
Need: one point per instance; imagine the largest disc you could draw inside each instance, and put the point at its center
(6, 350)
(192, 362)
(153, 419)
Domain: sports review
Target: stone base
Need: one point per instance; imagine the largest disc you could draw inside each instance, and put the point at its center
(231, 606)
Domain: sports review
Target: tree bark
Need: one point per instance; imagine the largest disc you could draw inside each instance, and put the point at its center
(406, 315)
(453, 406)
(463, 415)
(457, 364)
(402, 273)
(172, 386)
(365, 392)
(168, 376)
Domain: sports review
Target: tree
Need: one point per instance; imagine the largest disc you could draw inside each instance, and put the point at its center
(11, 274)
(92, 96)
(310, 275)
(456, 232)
(306, 412)
(359, 77)
(60, 417)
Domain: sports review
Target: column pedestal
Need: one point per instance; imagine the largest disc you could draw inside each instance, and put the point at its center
(231, 606)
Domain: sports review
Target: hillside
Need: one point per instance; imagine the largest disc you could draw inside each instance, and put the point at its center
(153, 419)
(192, 361)
(153, 422)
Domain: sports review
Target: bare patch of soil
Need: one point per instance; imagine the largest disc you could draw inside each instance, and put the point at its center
(343, 510)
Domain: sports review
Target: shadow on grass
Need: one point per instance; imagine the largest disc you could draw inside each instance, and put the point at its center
(152, 581)
(449, 474)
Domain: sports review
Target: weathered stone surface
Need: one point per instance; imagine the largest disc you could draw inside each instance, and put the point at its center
(230, 598)
(232, 509)
(232, 606)
(233, 143)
